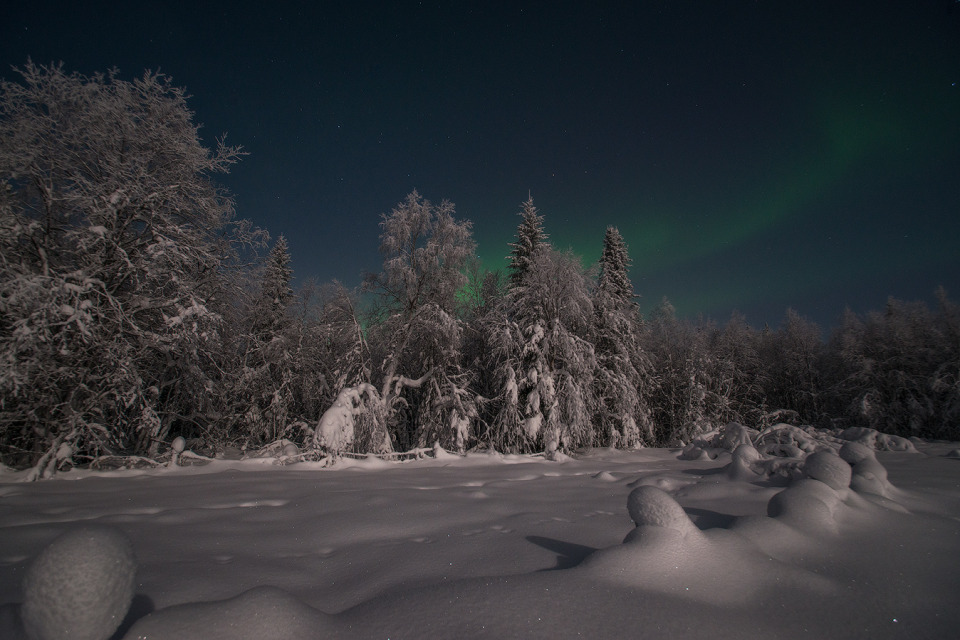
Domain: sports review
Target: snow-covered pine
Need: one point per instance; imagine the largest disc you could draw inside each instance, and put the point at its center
(530, 239)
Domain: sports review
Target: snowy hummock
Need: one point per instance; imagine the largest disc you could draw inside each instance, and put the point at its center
(612, 544)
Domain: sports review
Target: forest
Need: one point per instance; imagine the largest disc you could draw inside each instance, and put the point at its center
(136, 308)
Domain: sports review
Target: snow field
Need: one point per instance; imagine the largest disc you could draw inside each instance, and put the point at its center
(495, 546)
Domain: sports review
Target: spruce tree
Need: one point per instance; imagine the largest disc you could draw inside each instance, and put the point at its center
(276, 292)
(530, 238)
(624, 374)
(614, 263)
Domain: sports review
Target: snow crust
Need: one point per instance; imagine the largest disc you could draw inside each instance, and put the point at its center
(843, 541)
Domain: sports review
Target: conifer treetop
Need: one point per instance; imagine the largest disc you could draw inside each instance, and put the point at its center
(614, 279)
(530, 238)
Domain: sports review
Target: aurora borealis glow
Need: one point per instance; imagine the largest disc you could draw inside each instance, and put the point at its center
(755, 154)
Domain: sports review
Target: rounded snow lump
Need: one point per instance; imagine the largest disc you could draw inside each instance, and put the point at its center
(802, 506)
(855, 453)
(648, 505)
(79, 587)
(828, 468)
(747, 453)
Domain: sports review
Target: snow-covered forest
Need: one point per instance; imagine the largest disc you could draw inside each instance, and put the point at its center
(136, 309)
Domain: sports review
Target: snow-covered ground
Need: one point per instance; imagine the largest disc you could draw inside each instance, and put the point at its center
(508, 546)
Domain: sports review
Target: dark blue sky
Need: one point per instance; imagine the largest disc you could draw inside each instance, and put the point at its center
(756, 155)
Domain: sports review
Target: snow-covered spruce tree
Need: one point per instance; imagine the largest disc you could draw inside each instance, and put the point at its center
(614, 279)
(545, 361)
(269, 336)
(114, 244)
(624, 377)
(530, 239)
(275, 292)
(423, 392)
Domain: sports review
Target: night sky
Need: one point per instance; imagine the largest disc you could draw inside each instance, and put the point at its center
(756, 155)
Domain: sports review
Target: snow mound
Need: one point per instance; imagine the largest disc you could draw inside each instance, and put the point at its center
(261, 612)
(808, 504)
(828, 468)
(875, 440)
(80, 586)
(741, 466)
(854, 453)
(869, 476)
(733, 435)
(694, 452)
(649, 506)
(786, 440)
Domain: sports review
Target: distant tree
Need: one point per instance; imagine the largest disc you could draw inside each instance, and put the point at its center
(736, 377)
(115, 241)
(530, 239)
(483, 290)
(681, 399)
(794, 358)
(275, 291)
(895, 371)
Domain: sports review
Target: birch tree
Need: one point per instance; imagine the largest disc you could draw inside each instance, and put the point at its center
(114, 242)
(425, 250)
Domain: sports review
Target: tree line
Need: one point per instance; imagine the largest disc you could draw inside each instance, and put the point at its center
(136, 308)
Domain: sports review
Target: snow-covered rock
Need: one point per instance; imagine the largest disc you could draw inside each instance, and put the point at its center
(80, 587)
(787, 441)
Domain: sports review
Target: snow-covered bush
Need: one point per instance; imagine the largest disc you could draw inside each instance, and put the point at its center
(349, 420)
